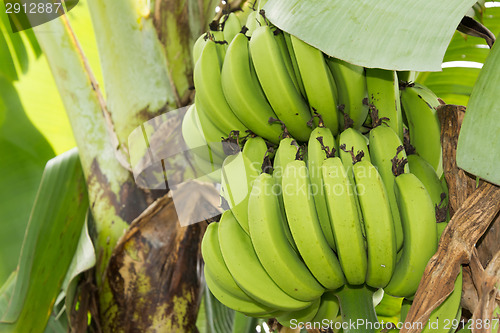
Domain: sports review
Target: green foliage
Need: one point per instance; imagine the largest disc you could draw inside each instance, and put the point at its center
(478, 142)
(454, 84)
(24, 154)
(390, 34)
(50, 242)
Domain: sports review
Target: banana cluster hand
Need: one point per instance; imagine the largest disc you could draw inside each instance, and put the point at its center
(326, 203)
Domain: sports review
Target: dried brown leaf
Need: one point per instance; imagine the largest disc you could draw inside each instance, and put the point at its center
(156, 264)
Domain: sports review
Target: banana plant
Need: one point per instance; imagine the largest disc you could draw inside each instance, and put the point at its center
(145, 53)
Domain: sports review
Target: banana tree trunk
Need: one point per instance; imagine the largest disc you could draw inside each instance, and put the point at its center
(147, 270)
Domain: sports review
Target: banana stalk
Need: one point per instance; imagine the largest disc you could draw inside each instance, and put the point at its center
(356, 306)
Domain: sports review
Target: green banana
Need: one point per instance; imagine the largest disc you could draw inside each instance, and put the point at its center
(238, 174)
(209, 94)
(319, 84)
(201, 152)
(419, 105)
(352, 140)
(282, 263)
(420, 234)
(246, 269)
(244, 304)
(378, 223)
(305, 228)
(251, 23)
(220, 44)
(351, 85)
(278, 87)
(302, 316)
(219, 279)
(211, 133)
(285, 55)
(384, 146)
(440, 229)
(286, 152)
(231, 26)
(341, 204)
(328, 309)
(244, 94)
(296, 72)
(428, 176)
(198, 47)
(383, 94)
(446, 311)
(315, 157)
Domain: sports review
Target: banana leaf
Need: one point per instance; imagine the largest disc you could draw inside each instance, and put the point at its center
(462, 62)
(390, 34)
(477, 150)
(24, 153)
(55, 224)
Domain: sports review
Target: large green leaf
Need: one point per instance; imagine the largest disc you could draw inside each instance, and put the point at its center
(24, 153)
(477, 150)
(391, 34)
(49, 245)
(462, 62)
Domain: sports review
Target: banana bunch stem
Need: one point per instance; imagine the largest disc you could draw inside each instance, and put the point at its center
(356, 306)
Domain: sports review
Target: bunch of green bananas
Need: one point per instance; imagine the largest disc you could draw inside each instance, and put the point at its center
(325, 204)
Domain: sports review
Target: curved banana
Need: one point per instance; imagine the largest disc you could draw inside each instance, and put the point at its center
(209, 94)
(220, 44)
(351, 140)
(379, 226)
(428, 176)
(419, 105)
(282, 263)
(446, 311)
(315, 157)
(305, 228)
(231, 27)
(278, 87)
(204, 159)
(383, 93)
(296, 72)
(251, 23)
(238, 174)
(351, 86)
(219, 279)
(286, 152)
(211, 132)
(328, 309)
(301, 316)
(420, 234)
(242, 304)
(384, 146)
(244, 94)
(341, 203)
(287, 59)
(246, 269)
(198, 47)
(319, 84)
